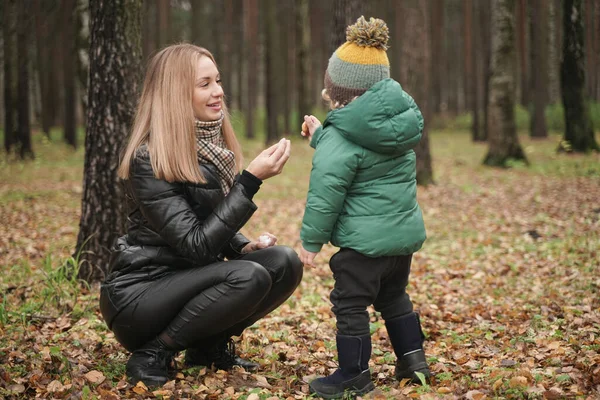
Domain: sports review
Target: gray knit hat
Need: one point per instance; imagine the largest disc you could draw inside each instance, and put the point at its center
(360, 62)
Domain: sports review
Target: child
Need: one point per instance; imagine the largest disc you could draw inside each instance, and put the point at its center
(362, 198)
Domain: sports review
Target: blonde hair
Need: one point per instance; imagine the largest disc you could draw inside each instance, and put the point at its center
(164, 119)
(334, 105)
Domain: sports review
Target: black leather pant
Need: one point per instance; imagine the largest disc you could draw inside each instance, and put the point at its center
(361, 281)
(200, 306)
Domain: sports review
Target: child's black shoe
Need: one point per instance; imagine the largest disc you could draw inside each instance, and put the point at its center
(407, 340)
(353, 376)
(408, 364)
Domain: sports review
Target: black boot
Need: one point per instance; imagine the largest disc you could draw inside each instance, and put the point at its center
(222, 356)
(149, 364)
(353, 376)
(407, 340)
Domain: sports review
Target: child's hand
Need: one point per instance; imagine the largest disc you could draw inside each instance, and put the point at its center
(309, 126)
(307, 257)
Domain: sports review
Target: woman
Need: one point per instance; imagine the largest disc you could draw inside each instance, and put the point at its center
(169, 286)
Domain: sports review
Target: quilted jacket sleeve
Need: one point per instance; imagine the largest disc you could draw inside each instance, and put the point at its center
(335, 162)
(417, 110)
(169, 214)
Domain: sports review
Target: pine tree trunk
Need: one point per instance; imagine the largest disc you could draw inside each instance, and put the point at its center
(272, 70)
(42, 14)
(553, 51)
(503, 140)
(285, 94)
(478, 52)
(523, 52)
(486, 36)
(163, 16)
(197, 22)
(305, 103)
(82, 63)
(251, 55)
(149, 34)
(539, 64)
(579, 132)
(416, 76)
(24, 25)
(597, 52)
(115, 55)
(470, 68)
(590, 72)
(345, 12)
(437, 46)
(10, 92)
(225, 64)
(69, 63)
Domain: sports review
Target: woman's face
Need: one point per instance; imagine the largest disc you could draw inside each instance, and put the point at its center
(208, 93)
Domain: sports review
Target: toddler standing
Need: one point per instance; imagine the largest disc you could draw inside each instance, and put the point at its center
(363, 199)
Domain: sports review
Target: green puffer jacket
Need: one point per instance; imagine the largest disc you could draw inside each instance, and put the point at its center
(363, 191)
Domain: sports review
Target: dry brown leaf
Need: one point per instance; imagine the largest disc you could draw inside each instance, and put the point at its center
(95, 377)
(55, 386)
(517, 381)
(475, 395)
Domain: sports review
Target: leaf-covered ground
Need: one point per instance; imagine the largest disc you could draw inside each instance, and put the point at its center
(507, 285)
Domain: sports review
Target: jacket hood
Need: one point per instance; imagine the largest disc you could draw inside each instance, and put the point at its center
(384, 119)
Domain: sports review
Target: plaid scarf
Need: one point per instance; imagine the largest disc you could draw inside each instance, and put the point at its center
(212, 150)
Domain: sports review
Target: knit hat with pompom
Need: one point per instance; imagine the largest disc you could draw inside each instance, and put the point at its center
(360, 62)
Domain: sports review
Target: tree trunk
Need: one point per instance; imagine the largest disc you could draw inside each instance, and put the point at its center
(10, 91)
(303, 60)
(345, 12)
(553, 51)
(478, 73)
(285, 94)
(539, 64)
(42, 15)
(272, 70)
(486, 37)
(523, 52)
(470, 68)
(24, 26)
(579, 132)
(251, 55)
(416, 77)
(225, 63)
(150, 35)
(163, 16)
(240, 60)
(115, 54)
(503, 140)
(69, 64)
(590, 72)
(597, 52)
(438, 49)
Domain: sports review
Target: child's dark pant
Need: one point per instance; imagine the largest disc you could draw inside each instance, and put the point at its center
(361, 281)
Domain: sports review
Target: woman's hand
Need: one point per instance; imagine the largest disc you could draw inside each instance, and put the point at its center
(309, 126)
(307, 257)
(270, 161)
(265, 240)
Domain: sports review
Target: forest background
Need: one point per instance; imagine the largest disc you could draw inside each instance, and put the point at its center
(507, 283)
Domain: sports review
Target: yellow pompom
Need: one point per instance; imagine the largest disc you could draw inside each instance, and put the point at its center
(373, 33)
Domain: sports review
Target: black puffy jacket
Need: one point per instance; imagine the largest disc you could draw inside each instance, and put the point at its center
(178, 225)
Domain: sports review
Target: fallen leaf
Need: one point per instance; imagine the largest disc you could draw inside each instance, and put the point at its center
(95, 377)
(55, 386)
(517, 381)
